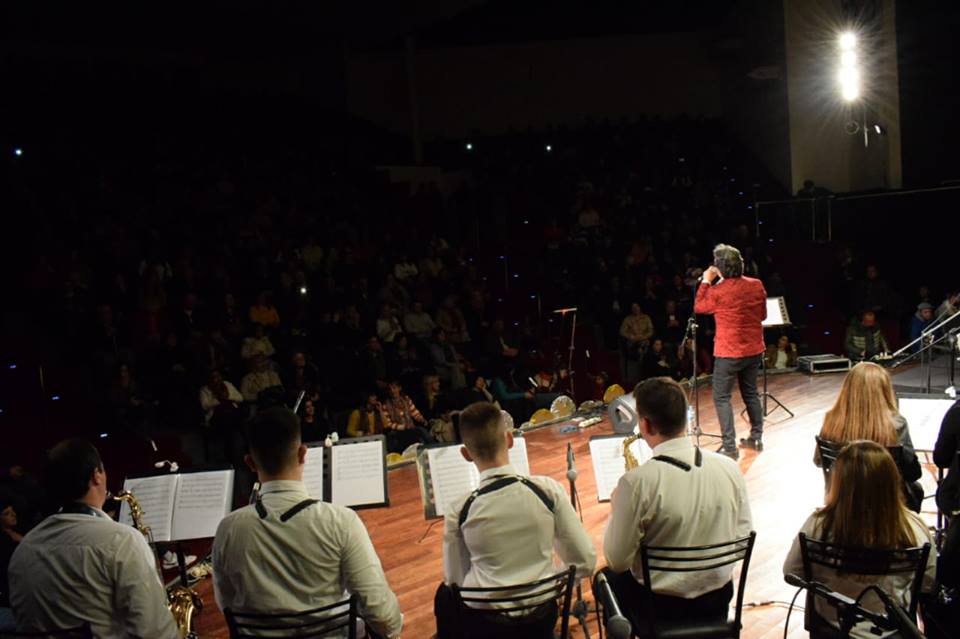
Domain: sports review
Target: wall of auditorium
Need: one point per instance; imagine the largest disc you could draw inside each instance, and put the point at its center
(494, 87)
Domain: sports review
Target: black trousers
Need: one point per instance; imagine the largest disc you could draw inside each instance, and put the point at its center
(636, 600)
(455, 621)
(743, 370)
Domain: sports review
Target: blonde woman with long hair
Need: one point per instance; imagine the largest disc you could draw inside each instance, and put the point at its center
(864, 509)
(866, 408)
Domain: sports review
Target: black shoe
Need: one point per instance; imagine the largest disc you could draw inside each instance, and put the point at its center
(749, 442)
(733, 454)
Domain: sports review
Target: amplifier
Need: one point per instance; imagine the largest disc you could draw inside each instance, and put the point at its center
(817, 364)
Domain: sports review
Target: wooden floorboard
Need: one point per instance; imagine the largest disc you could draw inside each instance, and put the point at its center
(783, 484)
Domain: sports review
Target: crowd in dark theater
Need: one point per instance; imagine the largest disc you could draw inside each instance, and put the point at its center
(594, 323)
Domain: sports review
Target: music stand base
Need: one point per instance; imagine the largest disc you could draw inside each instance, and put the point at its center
(767, 409)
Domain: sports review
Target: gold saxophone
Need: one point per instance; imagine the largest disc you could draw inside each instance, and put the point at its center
(183, 602)
(629, 459)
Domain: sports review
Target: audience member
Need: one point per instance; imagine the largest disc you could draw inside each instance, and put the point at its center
(533, 513)
(920, 321)
(946, 455)
(260, 378)
(257, 344)
(864, 509)
(388, 326)
(781, 355)
(79, 565)
(661, 503)
(864, 339)
(264, 312)
(10, 538)
(418, 323)
(450, 319)
(658, 361)
(866, 409)
(366, 419)
(287, 552)
(402, 422)
(446, 360)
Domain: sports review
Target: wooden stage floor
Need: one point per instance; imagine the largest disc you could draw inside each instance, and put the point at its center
(783, 484)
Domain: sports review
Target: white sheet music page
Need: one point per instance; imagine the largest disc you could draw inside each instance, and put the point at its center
(313, 472)
(924, 417)
(451, 476)
(155, 495)
(518, 456)
(203, 499)
(608, 464)
(356, 474)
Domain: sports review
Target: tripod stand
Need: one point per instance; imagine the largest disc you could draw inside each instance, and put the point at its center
(691, 336)
(580, 607)
(777, 317)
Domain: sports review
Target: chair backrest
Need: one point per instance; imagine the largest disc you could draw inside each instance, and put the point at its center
(523, 598)
(697, 559)
(80, 632)
(830, 450)
(862, 561)
(335, 619)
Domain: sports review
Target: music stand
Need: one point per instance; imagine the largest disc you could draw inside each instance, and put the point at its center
(777, 317)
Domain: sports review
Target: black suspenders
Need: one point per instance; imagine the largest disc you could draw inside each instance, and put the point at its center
(262, 511)
(503, 482)
(684, 466)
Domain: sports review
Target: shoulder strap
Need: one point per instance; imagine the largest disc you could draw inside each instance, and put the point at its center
(684, 466)
(503, 482)
(306, 503)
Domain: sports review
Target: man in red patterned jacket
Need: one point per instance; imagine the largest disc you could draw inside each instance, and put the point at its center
(739, 306)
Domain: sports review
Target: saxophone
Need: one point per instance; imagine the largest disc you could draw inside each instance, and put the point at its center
(629, 459)
(182, 601)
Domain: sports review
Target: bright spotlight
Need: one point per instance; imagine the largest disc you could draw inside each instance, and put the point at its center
(848, 40)
(548, 148)
(18, 152)
(469, 146)
(849, 83)
(848, 58)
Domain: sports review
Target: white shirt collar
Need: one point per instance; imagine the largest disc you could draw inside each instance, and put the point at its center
(675, 445)
(499, 470)
(283, 486)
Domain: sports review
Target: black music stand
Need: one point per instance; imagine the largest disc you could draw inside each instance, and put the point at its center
(777, 317)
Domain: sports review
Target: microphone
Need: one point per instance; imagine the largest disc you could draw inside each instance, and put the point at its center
(571, 468)
(904, 623)
(795, 581)
(618, 626)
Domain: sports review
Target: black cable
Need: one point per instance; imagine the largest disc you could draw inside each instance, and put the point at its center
(786, 625)
(427, 531)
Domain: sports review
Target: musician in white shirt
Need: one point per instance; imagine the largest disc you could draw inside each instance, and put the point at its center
(81, 566)
(505, 532)
(288, 552)
(681, 497)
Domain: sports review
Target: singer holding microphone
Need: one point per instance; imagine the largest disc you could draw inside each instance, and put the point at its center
(739, 306)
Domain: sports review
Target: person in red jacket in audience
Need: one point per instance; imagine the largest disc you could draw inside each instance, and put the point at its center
(739, 306)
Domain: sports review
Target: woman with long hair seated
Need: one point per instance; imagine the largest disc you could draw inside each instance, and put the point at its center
(864, 509)
(866, 408)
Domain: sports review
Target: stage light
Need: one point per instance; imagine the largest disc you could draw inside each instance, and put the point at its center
(848, 58)
(303, 290)
(848, 40)
(55, 398)
(849, 83)
(468, 146)
(12, 367)
(18, 152)
(548, 148)
(103, 435)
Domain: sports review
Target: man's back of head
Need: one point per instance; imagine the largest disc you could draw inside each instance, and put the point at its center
(273, 437)
(70, 464)
(482, 431)
(662, 401)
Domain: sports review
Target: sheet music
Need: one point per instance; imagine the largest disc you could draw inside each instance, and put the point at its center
(202, 500)
(155, 495)
(451, 476)
(357, 474)
(776, 312)
(608, 464)
(518, 456)
(313, 472)
(924, 417)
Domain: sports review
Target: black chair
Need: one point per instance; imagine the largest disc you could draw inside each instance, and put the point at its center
(80, 632)
(326, 621)
(524, 611)
(912, 490)
(694, 559)
(858, 561)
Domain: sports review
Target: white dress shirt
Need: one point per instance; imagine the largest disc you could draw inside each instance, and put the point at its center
(74, 568)
(851, 585)
(663, 505)
(510, 535)
(313, 559)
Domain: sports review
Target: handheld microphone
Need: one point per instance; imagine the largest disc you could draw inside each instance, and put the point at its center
(618, 626)
(571, 467)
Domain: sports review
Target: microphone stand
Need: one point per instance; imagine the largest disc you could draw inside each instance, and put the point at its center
(580, 607)
(691, 336)
(849, 611)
